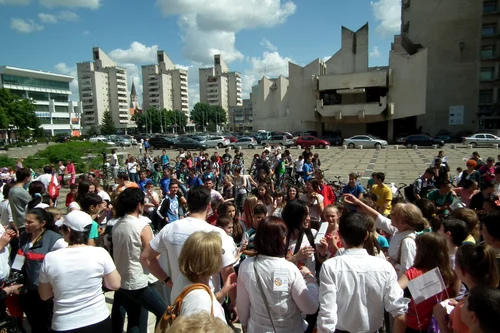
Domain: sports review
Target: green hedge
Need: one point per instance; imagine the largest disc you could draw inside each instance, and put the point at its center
(71, 150)
(7, 162)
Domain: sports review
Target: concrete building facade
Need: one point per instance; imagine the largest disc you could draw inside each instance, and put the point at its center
(50, 94)
(343, 93)
(450, 30)
(219, 86)
(103, 87)
(241, 117)
(165, 86)
(489, 76)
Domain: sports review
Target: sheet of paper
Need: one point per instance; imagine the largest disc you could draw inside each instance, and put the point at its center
(280, 280)
(321, 232)
(18, 262)
(426, 285)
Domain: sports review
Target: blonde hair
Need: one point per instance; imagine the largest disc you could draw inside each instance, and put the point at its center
(201, 322)
(201, 256)
(410, 215)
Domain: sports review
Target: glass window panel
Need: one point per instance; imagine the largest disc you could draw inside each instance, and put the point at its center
(32, 82)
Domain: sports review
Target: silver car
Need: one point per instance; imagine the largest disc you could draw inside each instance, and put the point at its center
(481, 139)
(217, 141)
(367, 141)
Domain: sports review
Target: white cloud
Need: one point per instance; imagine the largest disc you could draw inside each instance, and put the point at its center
(271, 65)
(86, 33)
(62, 68)
(47, 18)
(89, 4)
(14, 2)
(268, 45)
(67, 15)
(137, 53)
(326, 58)
(209, 26)
(25, 26)
(388, 12)
(375, 53)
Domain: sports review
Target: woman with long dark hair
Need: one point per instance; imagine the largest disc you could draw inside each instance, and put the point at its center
(39, 238)
(228, 208)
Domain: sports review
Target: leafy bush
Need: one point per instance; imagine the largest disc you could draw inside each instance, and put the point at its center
(35, 162)
(7, 162)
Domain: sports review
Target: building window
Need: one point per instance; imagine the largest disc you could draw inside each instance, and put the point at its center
(487, 74)
(489, 30)
(486, 96)
(489, 7)
(61, 108)
(59, 97)
(60, 121)
(31, 82)
(488, 52)
(39, 96)
(42, 108)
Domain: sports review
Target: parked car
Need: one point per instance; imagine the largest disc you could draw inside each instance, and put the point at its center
(245, 141)
(122, 142)
(443, 135)
(131, 138)
(308, 140)
(335, 140)
(102, 139)
(217, 141)
(481, 139)
(278, 139)
(161, 142)
(61, 139)
(421, 140)
(187, 143)
(262, 136)
(287, 134)
(400, 138)
(367, 141)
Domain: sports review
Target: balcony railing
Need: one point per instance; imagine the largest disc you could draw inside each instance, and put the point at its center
(367, 109)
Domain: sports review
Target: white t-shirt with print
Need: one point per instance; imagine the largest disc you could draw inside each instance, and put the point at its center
(311, 261)
(77, 285)
(170, 240)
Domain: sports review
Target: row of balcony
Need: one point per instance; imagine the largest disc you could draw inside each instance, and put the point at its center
(339, 110)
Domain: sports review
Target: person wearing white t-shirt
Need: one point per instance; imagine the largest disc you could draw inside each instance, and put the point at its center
(130, 235)
(5, 210)
(170, 240)
(115, 165)
(313, 199)
(75, 282)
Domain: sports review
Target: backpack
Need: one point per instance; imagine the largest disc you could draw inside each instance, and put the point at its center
(174, 310)
(53, 189)
(410, 192)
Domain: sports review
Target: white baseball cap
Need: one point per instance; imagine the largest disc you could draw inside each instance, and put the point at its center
(77, 220)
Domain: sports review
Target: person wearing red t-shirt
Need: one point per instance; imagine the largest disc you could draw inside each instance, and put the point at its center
(432, 252)
(326, 191)
(70, 197)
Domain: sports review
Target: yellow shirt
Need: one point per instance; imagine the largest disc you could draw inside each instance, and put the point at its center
(384, 195)
(470, 239)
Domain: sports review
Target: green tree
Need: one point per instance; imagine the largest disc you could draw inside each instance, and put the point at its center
(108, 125)
(92, 131)
(203, 114)
(17, 111)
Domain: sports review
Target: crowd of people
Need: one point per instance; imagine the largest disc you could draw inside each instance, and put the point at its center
(238, 244)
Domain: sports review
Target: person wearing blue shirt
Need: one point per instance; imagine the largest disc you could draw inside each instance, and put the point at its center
(143, 180)
(354, 188)
(165, 182)
(164, 159)
(307, 169)
(194, 179)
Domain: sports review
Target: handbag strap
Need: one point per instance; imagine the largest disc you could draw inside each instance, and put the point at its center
(259, 283)
(178, 301)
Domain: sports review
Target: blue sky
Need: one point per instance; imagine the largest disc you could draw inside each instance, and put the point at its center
(256, 37)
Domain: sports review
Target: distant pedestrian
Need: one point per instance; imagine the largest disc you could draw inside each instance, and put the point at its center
(47, 140)
(146, 145)
(140, 146)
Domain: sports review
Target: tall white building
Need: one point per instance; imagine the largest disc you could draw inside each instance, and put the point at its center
(219, 86)
(50, 94)
(165, 86)
(103, 87)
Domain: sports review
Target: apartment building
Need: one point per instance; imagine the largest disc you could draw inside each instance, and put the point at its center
(165, 86)
(343, 93)
(219, 86)
(50, 93)
(450, 30)
(489, 94)
(103, 87)
(241, 117)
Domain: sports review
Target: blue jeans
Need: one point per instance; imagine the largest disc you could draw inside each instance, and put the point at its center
(133, 177)
(136, 303)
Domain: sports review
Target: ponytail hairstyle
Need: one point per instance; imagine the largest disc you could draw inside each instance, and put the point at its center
(479, 261)
(371, 244)
(428, 210)
(36, 189)
(237, 227)
(432, 252)
(410, 215)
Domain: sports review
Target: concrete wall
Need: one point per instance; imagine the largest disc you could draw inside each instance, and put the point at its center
(452, 37)
(353, 55)
(204, 73)
(409, 84)
(356, 80)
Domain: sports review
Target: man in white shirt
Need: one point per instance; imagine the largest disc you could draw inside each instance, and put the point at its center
(130, 235)
(46, 177)
(355, 285)
(115, 165)
(170, 240)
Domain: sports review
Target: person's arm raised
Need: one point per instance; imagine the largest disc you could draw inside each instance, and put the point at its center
(352, 200)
